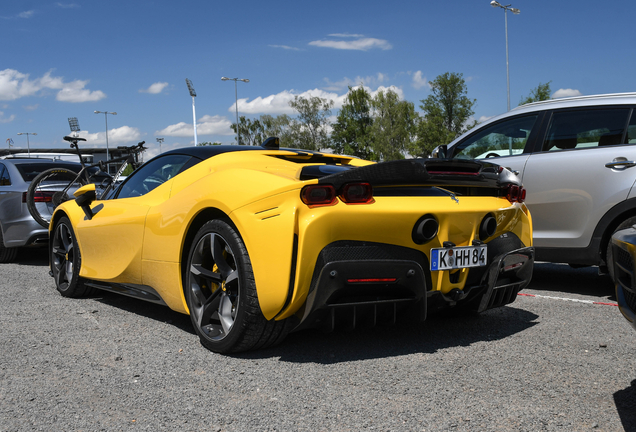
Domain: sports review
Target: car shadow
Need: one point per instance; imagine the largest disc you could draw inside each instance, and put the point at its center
(145, 309)
(625, 401)
(32, 256)
(439, 331)
(563, 278)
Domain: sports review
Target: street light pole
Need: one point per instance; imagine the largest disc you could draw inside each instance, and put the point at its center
(194, 114)
(159, 140)
(107, 151)
(28, 145)
(495, 3)
(245, 80)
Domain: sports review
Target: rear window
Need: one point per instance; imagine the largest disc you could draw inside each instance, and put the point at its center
(29, 171)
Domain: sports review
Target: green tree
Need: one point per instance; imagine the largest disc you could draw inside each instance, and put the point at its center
(309, 129)
(208, 143)
(446, 113)
(351, 130)
(393, 128)
(540, 93)
(278, 126)
(251, 131)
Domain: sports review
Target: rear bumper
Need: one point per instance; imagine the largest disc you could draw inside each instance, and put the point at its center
(385, 281)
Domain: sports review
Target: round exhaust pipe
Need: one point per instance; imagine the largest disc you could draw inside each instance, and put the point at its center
(425, 229)
(487, 227)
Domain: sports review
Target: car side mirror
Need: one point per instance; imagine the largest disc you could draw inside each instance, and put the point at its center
(84, 196)
(439, 152)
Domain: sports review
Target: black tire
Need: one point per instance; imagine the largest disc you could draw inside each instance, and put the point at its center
(221, 293)
(66, 260)
(7, 255)
(50, 184)
(609, 255)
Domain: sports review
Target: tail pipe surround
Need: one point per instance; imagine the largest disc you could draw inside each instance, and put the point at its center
(488, 227)
(425, 229)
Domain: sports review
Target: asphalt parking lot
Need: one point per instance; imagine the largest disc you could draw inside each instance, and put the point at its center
(561, 358)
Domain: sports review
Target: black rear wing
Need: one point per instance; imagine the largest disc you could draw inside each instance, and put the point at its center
(427, 172)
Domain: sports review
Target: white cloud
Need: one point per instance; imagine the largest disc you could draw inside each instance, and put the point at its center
(15, 85)
(362, 44)
(484, 118)
(419, 80)
(67, 5)
(4, 119)
(206, 125)
(31, 107)
(346, 82)
(346, 35)
(75, 92)
(560, 93)
(27, 14)
(285, 47)
(279, 103)
(117, 136)
(155, 88)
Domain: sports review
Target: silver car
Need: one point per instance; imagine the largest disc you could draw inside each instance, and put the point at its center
(577, 160)
(17, 226)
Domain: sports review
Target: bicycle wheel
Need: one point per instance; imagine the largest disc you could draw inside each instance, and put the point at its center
(46, 192)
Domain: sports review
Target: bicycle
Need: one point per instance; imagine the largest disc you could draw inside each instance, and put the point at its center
(54, 186)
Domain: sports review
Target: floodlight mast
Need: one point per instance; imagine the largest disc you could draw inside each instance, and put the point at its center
(245, 80)
(159, 140)
(194, 114)
(74, 124)
(106, 120)
(28, 145)
(506, 8)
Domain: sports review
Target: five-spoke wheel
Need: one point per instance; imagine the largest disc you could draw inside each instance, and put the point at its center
(65, 260)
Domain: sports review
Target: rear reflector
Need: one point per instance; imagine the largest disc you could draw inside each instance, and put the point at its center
(371, 280)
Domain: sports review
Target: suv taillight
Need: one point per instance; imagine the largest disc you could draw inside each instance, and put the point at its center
(39, 197)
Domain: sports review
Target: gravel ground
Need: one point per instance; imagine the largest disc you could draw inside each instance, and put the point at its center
(113, 363)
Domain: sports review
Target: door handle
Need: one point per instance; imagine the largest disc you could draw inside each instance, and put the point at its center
(620, 163)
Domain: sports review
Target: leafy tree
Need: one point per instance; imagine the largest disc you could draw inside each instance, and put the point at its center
(446, 110)
(540, 93)
(208, 143)
(309, 130)
(351, 130)
(278, 126)
(393, 127)
(251, 131)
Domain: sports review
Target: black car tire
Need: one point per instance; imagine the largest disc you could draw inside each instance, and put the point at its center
(66, 260)
(609, 255)
(61, 176)
(220, 292)
(7, 255)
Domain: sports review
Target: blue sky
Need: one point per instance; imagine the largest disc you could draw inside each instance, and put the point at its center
(68, 59)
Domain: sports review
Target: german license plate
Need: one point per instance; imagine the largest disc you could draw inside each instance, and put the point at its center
(458, 257)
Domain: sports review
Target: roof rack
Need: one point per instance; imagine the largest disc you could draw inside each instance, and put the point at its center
(578, 98)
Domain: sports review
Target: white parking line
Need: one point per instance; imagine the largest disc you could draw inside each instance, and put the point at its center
(569, 299)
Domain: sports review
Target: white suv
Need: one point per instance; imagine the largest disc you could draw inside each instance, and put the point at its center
(577, 160)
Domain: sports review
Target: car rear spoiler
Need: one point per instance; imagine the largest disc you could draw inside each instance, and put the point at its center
(427, 172)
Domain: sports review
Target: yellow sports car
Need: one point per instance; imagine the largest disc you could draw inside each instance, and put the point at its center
(253, 242)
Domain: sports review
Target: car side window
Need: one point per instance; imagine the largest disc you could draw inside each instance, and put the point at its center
(589, 128)
(631, 129)
(152, 175)
(4, 176)
(505, 138)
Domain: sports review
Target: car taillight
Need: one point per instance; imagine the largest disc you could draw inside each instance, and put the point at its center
(39, 196)
(318, 195)
(516, 193)
(357, 193)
